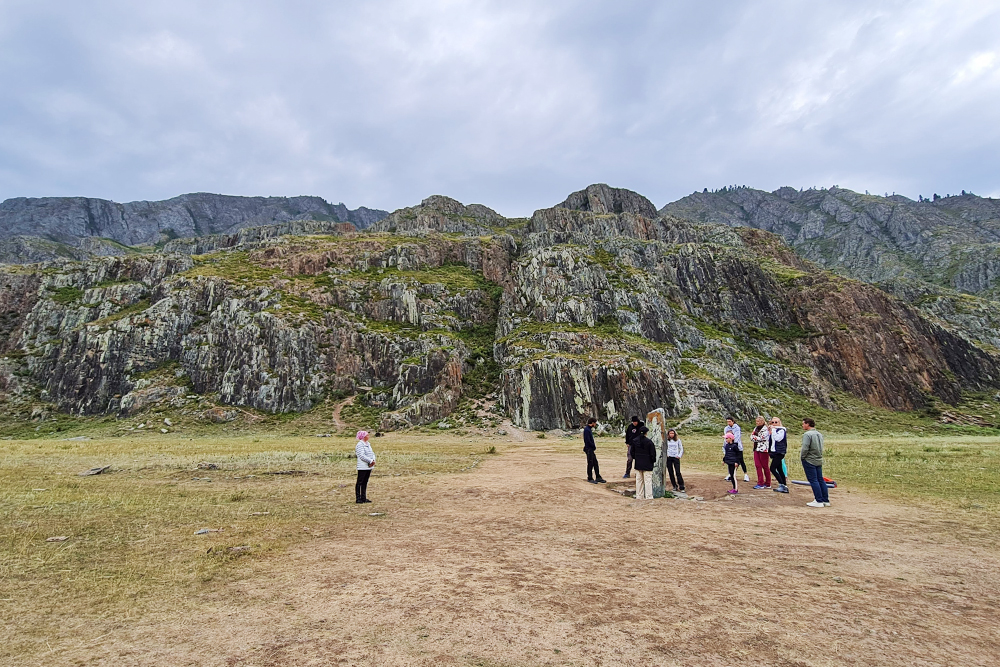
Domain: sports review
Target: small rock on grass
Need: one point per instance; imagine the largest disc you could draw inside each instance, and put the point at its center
(94, 471)
(168, 422)
(376, 514)
(259, 513)
(206, 531)
(163, 430)
(57, 538)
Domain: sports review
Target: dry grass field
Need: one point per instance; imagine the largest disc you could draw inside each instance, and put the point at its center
(474, 558)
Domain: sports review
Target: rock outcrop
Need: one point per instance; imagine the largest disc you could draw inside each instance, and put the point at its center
(46, 228)
(598, 306)
(952, 241)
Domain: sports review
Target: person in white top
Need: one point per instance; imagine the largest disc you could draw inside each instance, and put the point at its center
(366, 461)
(675, 450)
(761, 438)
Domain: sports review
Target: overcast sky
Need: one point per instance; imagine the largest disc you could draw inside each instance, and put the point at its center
(512, 104)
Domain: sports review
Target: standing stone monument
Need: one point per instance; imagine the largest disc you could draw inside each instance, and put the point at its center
(656, 422)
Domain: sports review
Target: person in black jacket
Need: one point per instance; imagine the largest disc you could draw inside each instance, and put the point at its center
(590, 449)
(732, 455)
(644, 454)
(631, 435)
(778, 448)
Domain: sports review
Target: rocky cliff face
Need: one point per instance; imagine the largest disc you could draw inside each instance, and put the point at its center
(46, 228)
(951, 242)
(598, 306)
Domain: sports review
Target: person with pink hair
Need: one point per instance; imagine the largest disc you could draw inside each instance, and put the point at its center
(366, 461)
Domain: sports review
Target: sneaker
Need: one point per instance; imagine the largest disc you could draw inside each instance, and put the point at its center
(728, 478)
(815, 504)
(624, 476)
(682, 490)
(746, 478)
(782, 488)
(733, 491)
(592, 481)
(759, 486)
(601, 480)
(826, 504)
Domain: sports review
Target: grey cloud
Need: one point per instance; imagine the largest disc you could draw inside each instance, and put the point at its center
(513, 104)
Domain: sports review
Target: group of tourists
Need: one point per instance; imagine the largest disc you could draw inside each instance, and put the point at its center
(769, 440)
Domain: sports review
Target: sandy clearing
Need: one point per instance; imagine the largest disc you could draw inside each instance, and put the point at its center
(521, 562)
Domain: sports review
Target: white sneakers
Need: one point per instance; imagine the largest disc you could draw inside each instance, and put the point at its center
(815, 504)
(826, 504)
(746, 478)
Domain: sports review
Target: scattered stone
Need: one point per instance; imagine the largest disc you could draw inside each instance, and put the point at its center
(168, 422)
(501, 431)
(163, 430)
(201, 479)
(219, 416)
(206, 531)
(238, 550)
(79, 438)
(444, 425)
(376, 514)
(286, 472)
(94, 471)
(143, 425)
(948, 417)
(204, 465)
(39, 489)
(323, 435)
(57, 538)
(259, 513)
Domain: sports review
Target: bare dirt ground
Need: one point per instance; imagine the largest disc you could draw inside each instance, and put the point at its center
(522, 562)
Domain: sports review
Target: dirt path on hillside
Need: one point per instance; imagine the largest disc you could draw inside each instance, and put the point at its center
(522, 562)
(338, 408)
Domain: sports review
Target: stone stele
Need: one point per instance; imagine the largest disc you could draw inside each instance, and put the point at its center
(657, 424)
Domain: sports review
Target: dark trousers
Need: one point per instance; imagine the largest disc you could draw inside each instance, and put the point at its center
(815, 476)
(743, 463)
(628, 461)
(674, 468)
(361, 487)
(776, 469)
(593, 467)
(732, 473)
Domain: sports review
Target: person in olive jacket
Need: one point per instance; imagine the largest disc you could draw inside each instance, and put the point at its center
(644, 456)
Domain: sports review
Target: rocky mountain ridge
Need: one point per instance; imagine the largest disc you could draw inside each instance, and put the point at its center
(951, 242)
(47, 228)
(597, 306)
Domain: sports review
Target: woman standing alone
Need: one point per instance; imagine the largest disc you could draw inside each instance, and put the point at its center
(366, 461)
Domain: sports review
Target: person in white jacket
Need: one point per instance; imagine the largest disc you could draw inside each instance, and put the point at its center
(366, 461)
(675, 450)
